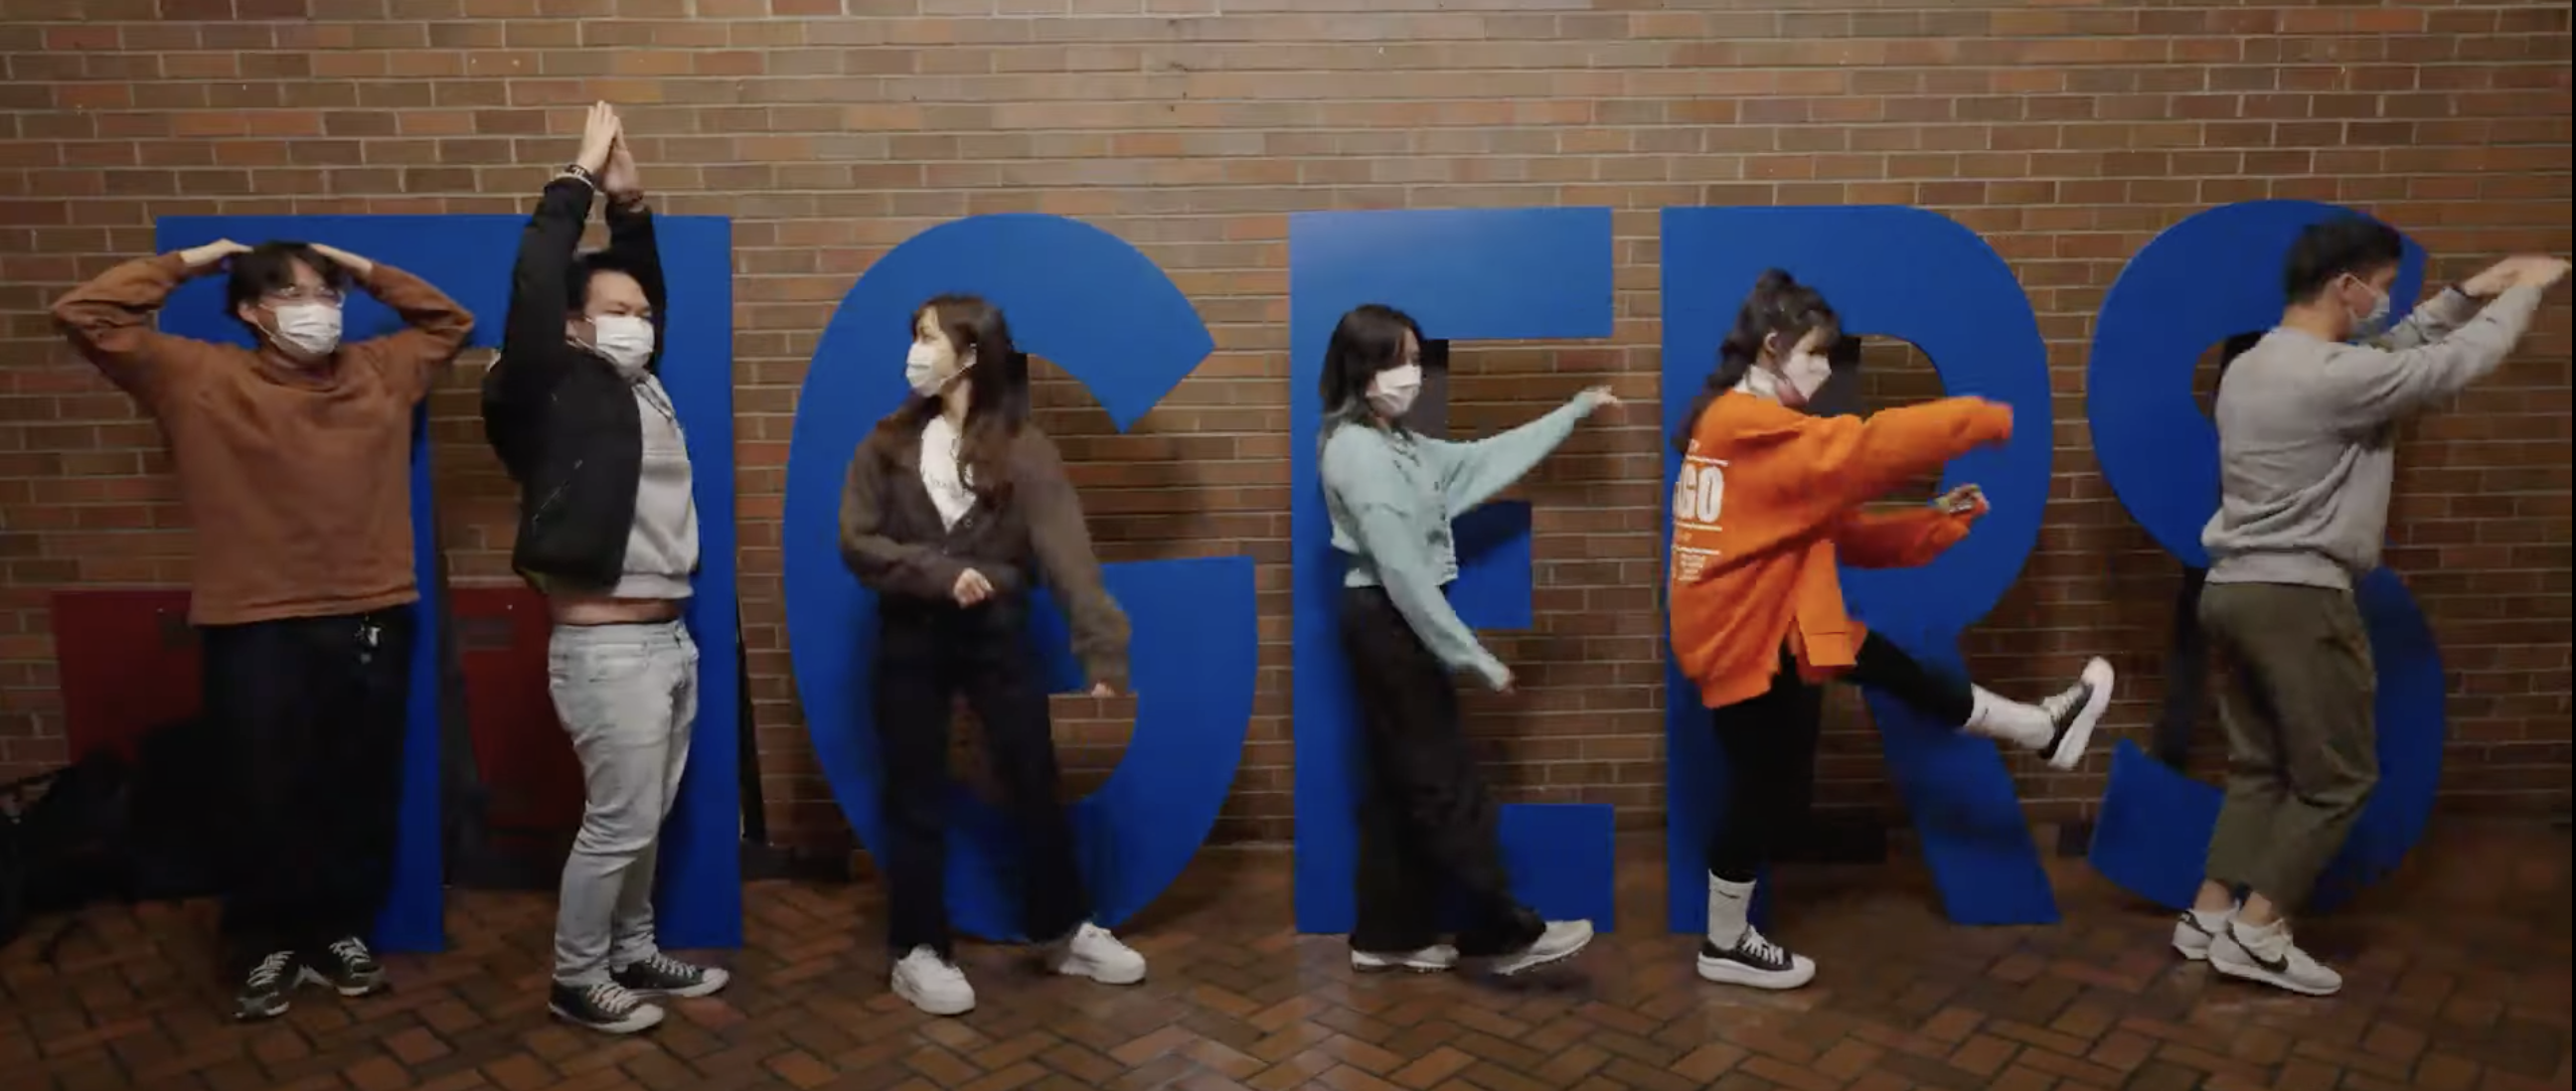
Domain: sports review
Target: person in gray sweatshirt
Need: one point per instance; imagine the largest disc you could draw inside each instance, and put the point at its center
(1425, 817)
(2307, 423)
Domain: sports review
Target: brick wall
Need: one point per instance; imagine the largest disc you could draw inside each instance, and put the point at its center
(831, 130)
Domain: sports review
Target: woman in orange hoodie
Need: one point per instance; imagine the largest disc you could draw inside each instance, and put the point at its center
(1768, 505)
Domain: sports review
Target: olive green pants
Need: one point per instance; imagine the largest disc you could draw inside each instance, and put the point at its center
(2302, 751)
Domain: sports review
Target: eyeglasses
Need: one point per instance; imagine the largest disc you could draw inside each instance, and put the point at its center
(304, 295)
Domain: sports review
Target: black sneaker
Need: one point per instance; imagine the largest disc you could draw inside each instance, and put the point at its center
(662, 975)
(2074, 712)
(348, 967)
(265, 986)
(608, 1007)
(1755, 962)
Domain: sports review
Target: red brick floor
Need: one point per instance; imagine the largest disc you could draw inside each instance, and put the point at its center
(2458, 980)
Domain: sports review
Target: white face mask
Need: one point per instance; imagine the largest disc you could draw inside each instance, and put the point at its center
(2369, 325)
(1392, 392)
(926, 368)
(310, 329)
(1804, 373)
(624, 340)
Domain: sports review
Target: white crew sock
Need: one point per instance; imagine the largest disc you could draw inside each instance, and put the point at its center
(2213, 923)
(1998, 717)
(1730, 906)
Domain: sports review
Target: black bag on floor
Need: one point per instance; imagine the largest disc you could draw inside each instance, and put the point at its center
(64, 842)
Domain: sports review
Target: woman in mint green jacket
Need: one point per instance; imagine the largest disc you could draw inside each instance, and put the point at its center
(1424, 814)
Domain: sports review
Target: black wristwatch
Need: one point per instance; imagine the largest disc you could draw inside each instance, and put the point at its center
(576, 170)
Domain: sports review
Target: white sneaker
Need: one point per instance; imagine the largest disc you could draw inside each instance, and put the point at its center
(2194, 933)
(2074, 713)
(1428, 960)
(1560, 941)
(1755, 962)
(2272, 960)
(1093, 953)
(933, 984)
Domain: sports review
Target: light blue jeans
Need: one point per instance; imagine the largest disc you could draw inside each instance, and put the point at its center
(627, 694)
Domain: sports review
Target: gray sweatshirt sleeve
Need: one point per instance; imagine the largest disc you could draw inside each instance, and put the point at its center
(2448, 310)
(1356, 472)
(2365, 387)
(1471, 473)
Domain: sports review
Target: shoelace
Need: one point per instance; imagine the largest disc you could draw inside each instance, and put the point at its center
(270, 969)
(2059, 705)
(350, 952)
(612, 998)
(666, 966)
(1760, 946)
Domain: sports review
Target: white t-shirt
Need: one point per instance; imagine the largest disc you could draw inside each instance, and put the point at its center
(950, 484)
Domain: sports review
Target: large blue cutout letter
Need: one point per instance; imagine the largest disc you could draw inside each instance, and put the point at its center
(1516, 274)
(1081, 297)
(469, 257)
(1956, 300)
(2212, 276)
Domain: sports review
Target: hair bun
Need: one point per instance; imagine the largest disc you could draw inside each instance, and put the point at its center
(1774, 280)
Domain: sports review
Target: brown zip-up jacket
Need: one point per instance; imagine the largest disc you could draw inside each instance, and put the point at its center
(297, 480)
(893, 539)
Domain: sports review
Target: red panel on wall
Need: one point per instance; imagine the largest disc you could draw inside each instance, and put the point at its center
(531, 779)
(128, 663)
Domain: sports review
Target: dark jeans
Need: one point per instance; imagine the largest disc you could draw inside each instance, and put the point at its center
(1427, 825)
(928, 654)
(313, 713)
(1770, 747)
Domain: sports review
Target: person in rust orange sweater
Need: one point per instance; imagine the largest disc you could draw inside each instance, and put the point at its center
(293, 458)
(1768, 504)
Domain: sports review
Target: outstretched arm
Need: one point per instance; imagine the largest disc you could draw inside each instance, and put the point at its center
(1472, 472)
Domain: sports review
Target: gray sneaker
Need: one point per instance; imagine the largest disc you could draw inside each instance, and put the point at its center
(2271, 960)
(1562, 940)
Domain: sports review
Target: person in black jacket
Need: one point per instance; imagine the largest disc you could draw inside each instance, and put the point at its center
(608, 531)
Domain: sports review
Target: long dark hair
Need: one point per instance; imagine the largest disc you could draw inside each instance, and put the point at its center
(1778, 306)
(997, 388)
(1369, 339)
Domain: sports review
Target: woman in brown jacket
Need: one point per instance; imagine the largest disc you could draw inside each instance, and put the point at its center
(955, 507)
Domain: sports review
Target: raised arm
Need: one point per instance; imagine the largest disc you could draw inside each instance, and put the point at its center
(2363, 388)
(1352, 468)
(434, 326)
(630, 236)
(2435, 319)
(1472, 472)
(1063, 543)
(883, 565)
(109, 319)
(532, 338)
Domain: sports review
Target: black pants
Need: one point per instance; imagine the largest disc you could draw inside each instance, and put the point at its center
(927, 654)
(312, 712)
(1427, 825)
(1770, 747)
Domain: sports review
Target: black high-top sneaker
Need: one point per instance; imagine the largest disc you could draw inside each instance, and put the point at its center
(607, 1007)
(662, 975)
